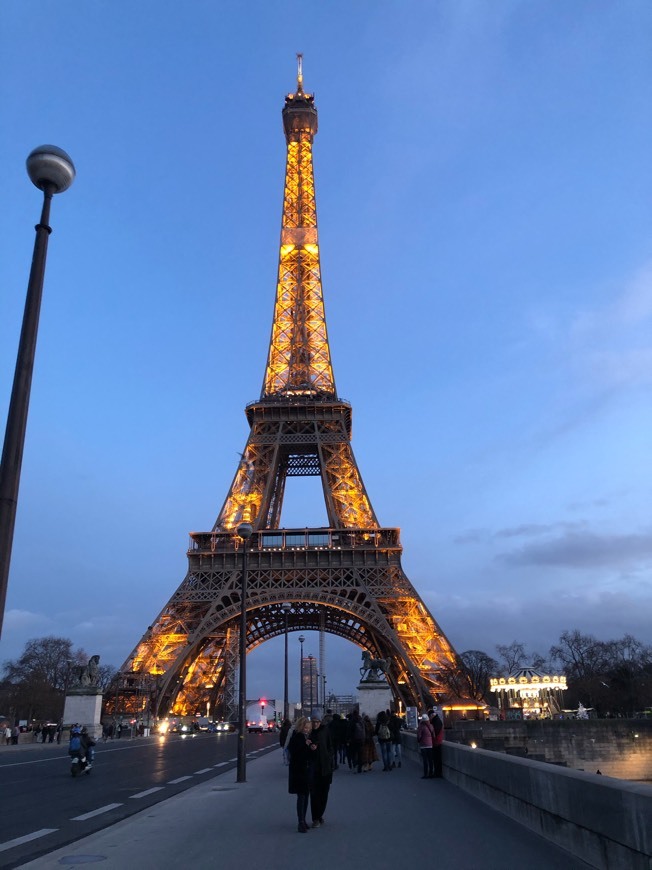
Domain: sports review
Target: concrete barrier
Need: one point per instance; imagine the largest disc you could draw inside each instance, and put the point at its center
(604, 821)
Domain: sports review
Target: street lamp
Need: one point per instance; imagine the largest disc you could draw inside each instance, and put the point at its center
(286, 607)
(52, 171)
(301, 640)
(245, 530)
(311, 660)
(66, 682)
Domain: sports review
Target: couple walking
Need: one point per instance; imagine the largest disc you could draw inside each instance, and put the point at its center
(430, 736)
(311, 769)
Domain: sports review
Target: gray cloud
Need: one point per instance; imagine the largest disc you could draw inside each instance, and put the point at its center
(584, 550)
(535, 529)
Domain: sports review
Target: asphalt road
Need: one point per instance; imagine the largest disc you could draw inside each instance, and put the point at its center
(44, 808)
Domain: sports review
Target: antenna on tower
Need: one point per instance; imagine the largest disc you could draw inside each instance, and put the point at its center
(299, 73)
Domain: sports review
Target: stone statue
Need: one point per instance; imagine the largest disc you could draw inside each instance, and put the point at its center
(372, 669)
(86, 677)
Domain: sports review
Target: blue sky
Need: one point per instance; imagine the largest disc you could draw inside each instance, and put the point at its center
(484, 195)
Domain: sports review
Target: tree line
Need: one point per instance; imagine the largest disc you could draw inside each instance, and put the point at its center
(614, 677)
(33, 686)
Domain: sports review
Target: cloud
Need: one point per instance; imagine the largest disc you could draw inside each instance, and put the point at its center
(481, 623)
(525, 530)
(534, 529)
(25, 621)
(584, 550)
(611, 343)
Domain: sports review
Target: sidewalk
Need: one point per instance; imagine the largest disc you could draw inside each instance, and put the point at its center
(371, 820)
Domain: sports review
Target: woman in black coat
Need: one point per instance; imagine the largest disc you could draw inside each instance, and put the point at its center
(301, 748)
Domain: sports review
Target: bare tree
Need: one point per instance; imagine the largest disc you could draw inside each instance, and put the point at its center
(614, 676)
(34, 684)
(513, 655)
(471, 680)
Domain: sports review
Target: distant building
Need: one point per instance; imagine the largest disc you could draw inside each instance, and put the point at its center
(309, 684)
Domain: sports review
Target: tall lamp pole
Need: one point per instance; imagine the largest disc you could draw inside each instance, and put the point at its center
(301, 640)
(286, 607)
(311, 660)
(52, 171)
(245, 530)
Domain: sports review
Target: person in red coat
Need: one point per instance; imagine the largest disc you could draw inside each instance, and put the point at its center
(426, 740)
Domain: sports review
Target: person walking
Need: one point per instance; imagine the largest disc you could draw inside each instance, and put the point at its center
(438, 728)
(426, 740)
(301, 749)
(384, 736)
(322, 769)
(395, 725)
(369, 754)
(7, 735)
(338, 736)
(283, 736)
(355, 741)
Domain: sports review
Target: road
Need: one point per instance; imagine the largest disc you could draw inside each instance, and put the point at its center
(44, 808)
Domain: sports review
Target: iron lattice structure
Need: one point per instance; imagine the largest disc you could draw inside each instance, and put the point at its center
(346, 579)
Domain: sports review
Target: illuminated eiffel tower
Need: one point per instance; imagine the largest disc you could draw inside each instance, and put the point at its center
(345, 579)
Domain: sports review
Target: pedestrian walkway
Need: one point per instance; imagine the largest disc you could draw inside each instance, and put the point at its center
(375, 819)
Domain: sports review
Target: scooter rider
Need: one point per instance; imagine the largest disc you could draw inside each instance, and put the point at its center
(87, 747)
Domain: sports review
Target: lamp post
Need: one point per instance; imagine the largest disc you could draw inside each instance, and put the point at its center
(311, 660)
(52, 171)
(245, 531)
(286, 608)
(301, 640)
(66, 683)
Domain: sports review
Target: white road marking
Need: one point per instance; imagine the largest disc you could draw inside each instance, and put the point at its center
(203, 770)
(149, 791)
(99, 812)
(222, 764)
(180, 779)
(26, 839)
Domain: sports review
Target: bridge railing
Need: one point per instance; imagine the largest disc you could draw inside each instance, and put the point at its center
(603, 821)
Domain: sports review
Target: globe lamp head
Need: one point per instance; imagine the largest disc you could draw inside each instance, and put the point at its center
(51, 168)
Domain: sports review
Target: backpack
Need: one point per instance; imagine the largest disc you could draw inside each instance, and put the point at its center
(75, 742)
(384, 733)
(358, 731)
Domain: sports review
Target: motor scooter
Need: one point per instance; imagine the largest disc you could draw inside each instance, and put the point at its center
(80, 763)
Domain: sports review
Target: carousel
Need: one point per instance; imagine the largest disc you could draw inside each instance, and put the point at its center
(528, 694)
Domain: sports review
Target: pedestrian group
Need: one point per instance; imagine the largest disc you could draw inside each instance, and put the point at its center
(314, 747)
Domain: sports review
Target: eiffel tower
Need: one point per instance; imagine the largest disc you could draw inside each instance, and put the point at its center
(346, 579)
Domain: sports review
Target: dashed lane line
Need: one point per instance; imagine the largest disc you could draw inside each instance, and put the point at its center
(18, 841)
(203, 770)
(180, 779)
(142, 794)
(222, 764)
(97, 812)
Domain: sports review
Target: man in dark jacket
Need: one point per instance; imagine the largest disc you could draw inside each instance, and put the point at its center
(322, 772)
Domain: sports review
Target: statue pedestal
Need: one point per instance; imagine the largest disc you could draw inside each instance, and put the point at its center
(85, 709)
(373, 696)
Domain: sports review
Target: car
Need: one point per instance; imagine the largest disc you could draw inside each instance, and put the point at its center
(221, 727)
(256, 726)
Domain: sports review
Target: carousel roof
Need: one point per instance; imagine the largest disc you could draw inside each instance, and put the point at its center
(528, 678)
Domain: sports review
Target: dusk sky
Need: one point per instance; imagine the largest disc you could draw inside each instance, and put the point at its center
(484, 194)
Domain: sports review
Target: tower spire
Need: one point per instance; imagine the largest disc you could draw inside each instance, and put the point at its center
(299, 73)
(299, 363)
